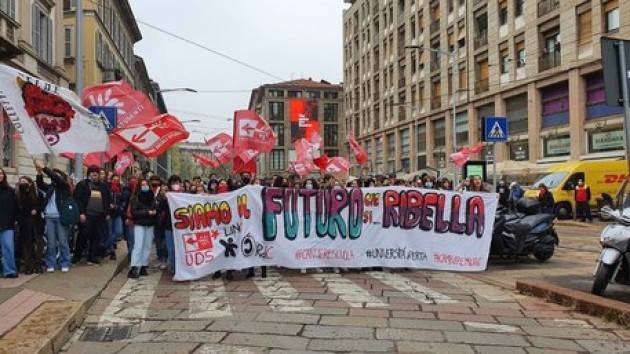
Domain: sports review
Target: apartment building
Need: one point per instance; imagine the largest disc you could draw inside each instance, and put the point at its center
(29, 41)
(407, 63)
(273, 102)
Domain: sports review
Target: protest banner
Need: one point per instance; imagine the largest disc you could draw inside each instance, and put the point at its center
(361, 227)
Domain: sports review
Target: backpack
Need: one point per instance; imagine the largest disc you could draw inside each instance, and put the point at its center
(69, 213)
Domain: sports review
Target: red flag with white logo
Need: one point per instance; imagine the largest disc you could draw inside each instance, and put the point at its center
(359, 152)
(205, 160)
(338, 165)
(251, 134)
(304, 168)
(133, 107)
(154, 138)
(123, 161)
(221, 147)
(239, 166)
(321, 162)
(305, 150)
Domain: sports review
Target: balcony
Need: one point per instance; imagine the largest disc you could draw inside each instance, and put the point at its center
(481, 39)
(550, 60)
(482, 85)
(9, 47)
(402, 114)
(436, 102)
(546, 6)
(435, 26)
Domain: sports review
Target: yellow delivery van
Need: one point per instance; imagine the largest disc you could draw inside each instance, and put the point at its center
(602, 176)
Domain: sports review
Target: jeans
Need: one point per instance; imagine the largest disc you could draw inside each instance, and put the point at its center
(170, 248)
(130, 239)
(114, 230)
(143, 239)
(8, 251)
(57, 236)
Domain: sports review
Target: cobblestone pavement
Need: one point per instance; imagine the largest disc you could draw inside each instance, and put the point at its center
(289, 312)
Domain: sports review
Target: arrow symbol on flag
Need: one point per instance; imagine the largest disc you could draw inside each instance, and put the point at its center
(139, 138)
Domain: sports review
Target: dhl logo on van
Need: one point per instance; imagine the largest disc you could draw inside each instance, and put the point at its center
(615, 178)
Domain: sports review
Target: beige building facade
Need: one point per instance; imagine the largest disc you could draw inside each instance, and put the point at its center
(535, 61)
(31, 35)
(272, 102)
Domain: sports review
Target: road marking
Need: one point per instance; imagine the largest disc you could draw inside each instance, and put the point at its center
(411, 288)
(491, 327)
(476, 287)
(348, 291)
(284, 297)
(208, 300)
(137, 292)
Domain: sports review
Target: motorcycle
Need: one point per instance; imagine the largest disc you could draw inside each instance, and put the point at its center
(524, 231)
(612, 265)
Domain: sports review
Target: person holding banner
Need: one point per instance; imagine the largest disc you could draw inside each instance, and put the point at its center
(9, 205)
(31, 235)
(143, 209)
(174, 184)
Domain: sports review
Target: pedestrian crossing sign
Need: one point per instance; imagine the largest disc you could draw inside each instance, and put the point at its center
(495, 129)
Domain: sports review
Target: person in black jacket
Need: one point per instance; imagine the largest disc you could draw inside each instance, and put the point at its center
(31, 234)
(8, 217)
(545, 197)
(93, 199)
(57, 235)
(174, 185)
(144, 211)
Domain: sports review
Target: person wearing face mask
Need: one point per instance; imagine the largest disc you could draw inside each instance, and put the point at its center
(174, 184)
(57, 235)
(115, 224)
(8, 217)
(127, 192)
(582, 197)
(93, 199)
(30, 225)
(223, 187)
(143, 206)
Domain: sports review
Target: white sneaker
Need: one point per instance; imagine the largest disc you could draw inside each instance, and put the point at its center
(65, 269)
(50, 270)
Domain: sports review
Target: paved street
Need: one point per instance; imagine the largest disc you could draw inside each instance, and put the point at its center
(415, 311)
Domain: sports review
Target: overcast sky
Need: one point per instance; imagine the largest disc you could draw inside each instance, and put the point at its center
(287, 38)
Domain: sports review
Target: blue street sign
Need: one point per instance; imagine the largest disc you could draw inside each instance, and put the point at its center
(109, 115)
(495, 129)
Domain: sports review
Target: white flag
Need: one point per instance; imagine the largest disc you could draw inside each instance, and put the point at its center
(49, 118)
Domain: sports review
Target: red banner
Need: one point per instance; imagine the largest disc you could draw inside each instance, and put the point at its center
(221, 147)
(359, 152)
(304, 168)
(133, 107)
(338, 165)
(154, 138)
(252, 135)
(205, 161)
(239, 166)
(123, 161)
(303, 115)
(305, 150)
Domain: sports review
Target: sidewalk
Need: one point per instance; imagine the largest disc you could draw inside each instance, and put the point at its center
(39, 312)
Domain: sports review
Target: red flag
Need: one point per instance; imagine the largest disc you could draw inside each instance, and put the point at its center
(133, 107)
(221, 147)
(359, 152)
(123, 161)
(206, 161)
(239, 166)
(316, 139)
(338, 165)
(154, 138)
(305, 150)
(322, 162)
(251, 132)
(303, 168)
(462, 156)
(116, 146)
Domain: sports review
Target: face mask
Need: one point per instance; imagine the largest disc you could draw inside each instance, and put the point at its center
(175, 187)
(429, 185)
(309, 186)
(145, 189)
(337, 187)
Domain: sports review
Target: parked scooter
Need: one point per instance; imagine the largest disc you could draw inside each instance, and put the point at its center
(612, 266)
(524, 231)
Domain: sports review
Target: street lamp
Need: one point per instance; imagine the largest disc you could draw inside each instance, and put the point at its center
(179, 89)
(453, 58)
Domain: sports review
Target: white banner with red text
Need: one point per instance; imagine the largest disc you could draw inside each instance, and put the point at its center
(362, 227)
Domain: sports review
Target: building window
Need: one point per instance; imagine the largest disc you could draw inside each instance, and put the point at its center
(596, 106)
(518, 7)
(276, 111)
(611, 9)
(421, 162)
(68, 42)
(505, 61)
(606, 141)
(585, 27)
(516, 111)
(519, 151)
(557, 146)
(313, 95)
(331, 152)
(276, 93)
(391, 152)
(520, 55)
(8, 7)
(279, 130)
(421, 138)
(404, 150)
(331, 112)
(331, 95)
(439, 134)
(42, 34)
(555, 104)
(295, 94)
(331, 135)
(379, 154)
(503, 13)
(6, 134)
(277, 160)
(461, 128)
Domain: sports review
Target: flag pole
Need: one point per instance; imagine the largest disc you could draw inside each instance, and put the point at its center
(78, 159)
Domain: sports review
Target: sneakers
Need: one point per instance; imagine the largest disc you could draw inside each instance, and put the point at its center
(11, 276)
(65, 269)
(133, 273)
(50, 270)
(143, 271)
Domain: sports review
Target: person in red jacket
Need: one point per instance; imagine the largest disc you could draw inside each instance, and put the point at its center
(582, 197)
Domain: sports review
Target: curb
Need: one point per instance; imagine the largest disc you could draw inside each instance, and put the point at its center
(611, 310)
(62, 331)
